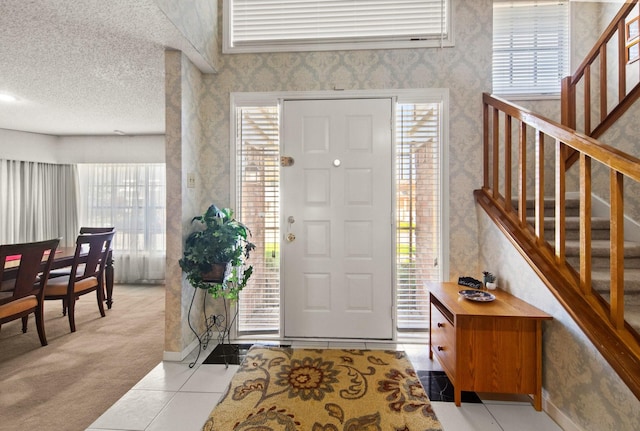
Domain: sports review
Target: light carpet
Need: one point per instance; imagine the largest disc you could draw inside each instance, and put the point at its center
(68, 384)
(287, 389)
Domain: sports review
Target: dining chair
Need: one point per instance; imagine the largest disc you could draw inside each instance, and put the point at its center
(90, 229)
(60, 272)
(86, 274)
(22, 294)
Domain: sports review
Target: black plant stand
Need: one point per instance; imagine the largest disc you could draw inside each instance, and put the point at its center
(221, 324)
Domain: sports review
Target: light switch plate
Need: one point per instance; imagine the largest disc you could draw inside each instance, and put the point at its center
(191, 180)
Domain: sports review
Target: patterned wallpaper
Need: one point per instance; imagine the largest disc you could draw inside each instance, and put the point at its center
(464, 69)
(173, 163)
(624, 134)
(183, 136)
(576, 379)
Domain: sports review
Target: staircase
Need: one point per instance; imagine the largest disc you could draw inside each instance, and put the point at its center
(525, 155)
(600, 254)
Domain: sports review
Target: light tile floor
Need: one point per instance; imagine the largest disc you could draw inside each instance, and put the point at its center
(174, 397)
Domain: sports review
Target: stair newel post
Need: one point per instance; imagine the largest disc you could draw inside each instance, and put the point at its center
(617, 250)
(507, 162)
(495, 154)
(539, 185)
(585, 224)
(560, 201)
(603, 83)
(587, 99)
(622, 61)
(567, 103)
(522, 154)
(485, 145)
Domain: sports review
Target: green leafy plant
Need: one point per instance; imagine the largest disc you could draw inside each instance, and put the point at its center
(218, 239)
(488, 277)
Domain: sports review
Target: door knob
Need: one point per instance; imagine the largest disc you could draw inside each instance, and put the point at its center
(291, 237)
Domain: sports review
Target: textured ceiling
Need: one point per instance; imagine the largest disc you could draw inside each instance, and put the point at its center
(85, 67)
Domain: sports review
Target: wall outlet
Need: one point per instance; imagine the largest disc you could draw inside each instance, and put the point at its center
(191, 180)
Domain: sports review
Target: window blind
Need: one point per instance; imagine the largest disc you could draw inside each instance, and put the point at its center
(258, 170)
(286, 22)
(418, 223)
(530, 46)
(418, 217)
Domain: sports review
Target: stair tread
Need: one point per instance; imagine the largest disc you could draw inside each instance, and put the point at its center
(572, 221)
(601, 278)
(550, 203)
(602, 247)
(629, 273)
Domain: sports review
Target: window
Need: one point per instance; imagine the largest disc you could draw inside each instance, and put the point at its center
(312, 25)
(130, 197)
(258, 184)
(530, 46)
(420, 203)
(418, 210)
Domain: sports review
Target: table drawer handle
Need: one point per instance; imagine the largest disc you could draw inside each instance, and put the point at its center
(440, 325)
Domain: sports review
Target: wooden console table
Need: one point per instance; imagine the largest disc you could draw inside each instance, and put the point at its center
(487, 346)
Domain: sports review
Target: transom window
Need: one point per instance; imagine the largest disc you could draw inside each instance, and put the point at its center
(313, 25)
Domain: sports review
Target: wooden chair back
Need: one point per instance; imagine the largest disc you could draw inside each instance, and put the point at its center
(33, 270)
(27, 294)
(86, 275)
(96, 246)
(89, 229)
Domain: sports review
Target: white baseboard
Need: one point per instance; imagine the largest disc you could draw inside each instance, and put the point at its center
(600, 208)
(179, 356)
(558, 416)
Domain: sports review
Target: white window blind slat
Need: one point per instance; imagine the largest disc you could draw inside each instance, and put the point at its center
(530, 46)
(417, 201)
(258, 157)
(418, 221)
(269, 23)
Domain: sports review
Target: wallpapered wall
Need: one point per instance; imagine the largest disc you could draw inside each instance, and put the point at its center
(464, 69)
(576, 379)
(625, 132)
(183, 89)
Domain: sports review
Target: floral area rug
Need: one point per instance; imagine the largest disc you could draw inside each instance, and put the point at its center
(288, 389)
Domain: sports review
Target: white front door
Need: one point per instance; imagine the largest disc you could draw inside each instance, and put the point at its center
(336, 205)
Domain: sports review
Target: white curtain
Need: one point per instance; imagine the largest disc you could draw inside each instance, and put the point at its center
(38, 201)
(130, 197)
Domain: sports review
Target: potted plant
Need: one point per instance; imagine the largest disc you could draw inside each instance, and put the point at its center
(215, 253)
(489, 280)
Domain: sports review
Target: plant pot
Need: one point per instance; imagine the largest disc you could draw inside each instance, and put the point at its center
(216, 274)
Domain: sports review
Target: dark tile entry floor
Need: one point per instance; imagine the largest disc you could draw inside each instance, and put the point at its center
(439, 388)
(230, 354)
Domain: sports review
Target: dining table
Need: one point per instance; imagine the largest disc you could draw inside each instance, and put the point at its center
(64, 258)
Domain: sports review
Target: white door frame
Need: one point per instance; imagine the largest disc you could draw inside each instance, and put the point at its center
(416, 95)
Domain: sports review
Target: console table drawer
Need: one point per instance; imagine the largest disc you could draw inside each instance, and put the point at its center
(487, 347)
(443, 340)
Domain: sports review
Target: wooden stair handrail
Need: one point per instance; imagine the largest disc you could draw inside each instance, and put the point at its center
(622, 162)
(583, 74)
(612, 117)
(602, 322)
(608, 33)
